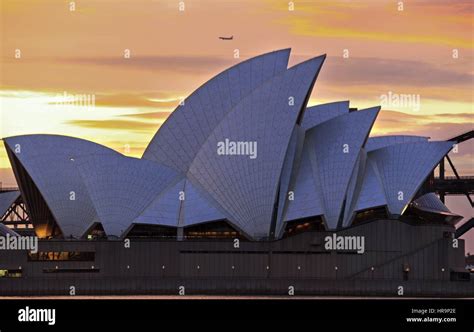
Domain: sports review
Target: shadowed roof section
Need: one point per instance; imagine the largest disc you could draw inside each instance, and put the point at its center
(4, 230)
(371, 193)
(179, 206)
(307, 200)
(165, 207)
(7, 199)
(288, 175)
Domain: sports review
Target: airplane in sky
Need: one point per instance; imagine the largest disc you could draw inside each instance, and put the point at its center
(226, 38)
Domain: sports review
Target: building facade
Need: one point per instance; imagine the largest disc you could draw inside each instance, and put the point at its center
(240, 190)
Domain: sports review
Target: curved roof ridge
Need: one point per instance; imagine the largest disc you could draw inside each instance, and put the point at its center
(333, 166)
(225, 98)
(244, 100)
(42, 156)
(133, 185)
(249, 119)
(402, 180)
(318, 114)
(386, 136)
(379, 142)
(371, 192)
(60, 136)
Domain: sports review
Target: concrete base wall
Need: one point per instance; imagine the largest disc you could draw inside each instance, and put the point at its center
(219, 267)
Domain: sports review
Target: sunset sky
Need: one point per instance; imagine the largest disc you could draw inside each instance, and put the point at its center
(48, 50)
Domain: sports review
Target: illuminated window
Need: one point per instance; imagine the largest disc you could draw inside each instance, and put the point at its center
(10, 273)
(211, 230)
(303, 225)
(78, 256)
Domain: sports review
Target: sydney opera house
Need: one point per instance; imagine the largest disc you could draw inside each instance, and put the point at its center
(240, 191)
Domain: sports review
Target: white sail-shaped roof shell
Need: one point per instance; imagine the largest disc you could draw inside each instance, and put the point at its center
(122, 187)
(430, 201)
(246, 188)
(404, 167)
(318, 114)
(165, 208)
(372, 193)
(378, 142)
(308, 203)
(321, 154)
(198, 207)
(337, 145)
(307, 199)
(180, 206)
(289, 174)
(182, 135)
(50, 162)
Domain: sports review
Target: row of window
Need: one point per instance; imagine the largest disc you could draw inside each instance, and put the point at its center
(76, 256)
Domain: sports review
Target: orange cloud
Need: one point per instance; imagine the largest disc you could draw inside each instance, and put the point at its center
(306, 27)
(137, 126)
(137, 100)
(383, 21)
(161, 116)
(437, 126)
